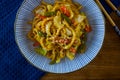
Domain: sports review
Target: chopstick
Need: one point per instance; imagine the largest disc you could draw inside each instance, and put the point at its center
(113, 7)
(109, 18)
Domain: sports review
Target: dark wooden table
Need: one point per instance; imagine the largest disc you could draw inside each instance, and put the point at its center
(106, 65)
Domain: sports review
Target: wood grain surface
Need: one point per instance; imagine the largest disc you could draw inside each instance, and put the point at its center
(106, 65)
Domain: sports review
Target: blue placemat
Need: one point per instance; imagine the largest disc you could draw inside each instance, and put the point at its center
(107, 7)
(13, 66)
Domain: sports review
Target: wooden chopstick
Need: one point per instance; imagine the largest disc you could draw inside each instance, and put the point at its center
(105, 12)
(111, 4)
(113, 7)
(108, 17)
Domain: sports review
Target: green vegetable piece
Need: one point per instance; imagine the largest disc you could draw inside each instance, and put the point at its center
(70, 55)
(41, 51)
(82, 47)
(48, 14)
(41, 34)
(66, 18)
(58, 60)
(82, 13)
(52, 62)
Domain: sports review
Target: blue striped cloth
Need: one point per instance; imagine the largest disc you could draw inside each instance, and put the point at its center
(13, 66)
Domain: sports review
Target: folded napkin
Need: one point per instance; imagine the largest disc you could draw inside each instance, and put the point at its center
(13, 66)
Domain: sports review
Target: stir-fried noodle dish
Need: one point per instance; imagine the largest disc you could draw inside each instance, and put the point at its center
(59, 30)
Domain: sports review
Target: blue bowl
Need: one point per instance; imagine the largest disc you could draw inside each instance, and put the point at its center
(94, 41)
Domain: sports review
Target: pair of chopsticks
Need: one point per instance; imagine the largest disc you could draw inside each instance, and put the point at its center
(113, 7)
(117, 30)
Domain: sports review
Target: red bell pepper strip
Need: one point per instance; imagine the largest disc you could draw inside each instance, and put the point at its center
(73, 50)
(40, 16)
(65, 11)
(36, 44)
(88, 28)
